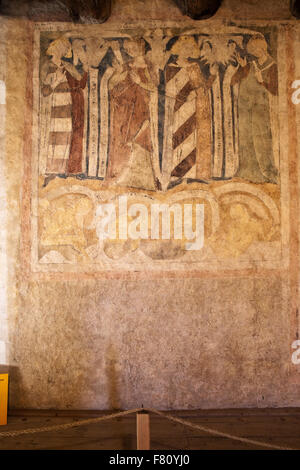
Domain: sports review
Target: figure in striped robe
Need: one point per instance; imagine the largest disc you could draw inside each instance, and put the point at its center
(60, 127)
(64, 85)
(187, 123)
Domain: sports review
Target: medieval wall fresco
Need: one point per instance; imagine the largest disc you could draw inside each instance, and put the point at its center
(164, 115)
(155, 111)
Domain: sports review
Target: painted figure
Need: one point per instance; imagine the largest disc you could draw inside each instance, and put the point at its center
(218, 52)
(64, 84)
(130, 146)
(156, 111)
(187, 117)
(258, 80)
(101, 58)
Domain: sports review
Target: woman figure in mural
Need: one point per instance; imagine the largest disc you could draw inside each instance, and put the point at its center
(65, 85)
(102, 58)
(187, 122)
(130, 145)
(258, 80)
(218, 52)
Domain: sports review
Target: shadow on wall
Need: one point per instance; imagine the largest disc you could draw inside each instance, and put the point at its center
(125, 438)
(113, 392)
(15, 383)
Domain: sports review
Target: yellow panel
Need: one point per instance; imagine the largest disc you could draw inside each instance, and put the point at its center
(3, 398)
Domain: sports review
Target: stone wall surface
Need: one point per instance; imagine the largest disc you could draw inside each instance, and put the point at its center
(106, 324)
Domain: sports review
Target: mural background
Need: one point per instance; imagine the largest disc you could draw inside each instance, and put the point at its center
(171, 115)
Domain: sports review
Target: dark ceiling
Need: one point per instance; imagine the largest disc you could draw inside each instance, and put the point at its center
(91, 11)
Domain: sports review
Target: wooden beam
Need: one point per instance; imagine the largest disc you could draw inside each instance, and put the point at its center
(143, 430)
(199, 9)
(295, 8)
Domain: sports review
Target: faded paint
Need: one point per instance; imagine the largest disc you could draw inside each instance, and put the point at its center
(88, 335)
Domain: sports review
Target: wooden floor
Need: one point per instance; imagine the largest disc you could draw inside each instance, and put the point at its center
(276, 426)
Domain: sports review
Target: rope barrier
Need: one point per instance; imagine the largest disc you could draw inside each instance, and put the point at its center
(60, 427)
(217, 433)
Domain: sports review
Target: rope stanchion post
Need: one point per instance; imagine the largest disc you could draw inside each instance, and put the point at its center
(143, 430)
(3, 398)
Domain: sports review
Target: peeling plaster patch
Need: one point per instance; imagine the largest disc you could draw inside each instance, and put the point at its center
(3, 356)
(2, 92)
